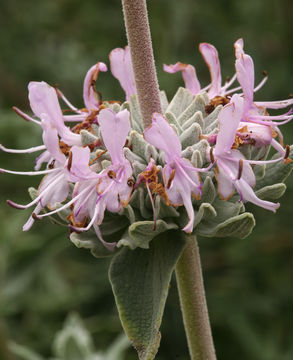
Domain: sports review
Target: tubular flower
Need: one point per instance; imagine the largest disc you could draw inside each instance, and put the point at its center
(211, 58)
(233, 170)
(256, 111)
(181, 178)
(54, 187)
(121, 69)
(111, 188)
(194, 168)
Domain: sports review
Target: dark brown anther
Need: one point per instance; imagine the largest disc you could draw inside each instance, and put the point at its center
(212, 155)
(219, 100)
(240, 169)
(171, 178)
(111, 174)
(130, 182)
(209, 108)
(265, 73)
(287, 152)
(52, 164)
(35, 217)
(69, 163)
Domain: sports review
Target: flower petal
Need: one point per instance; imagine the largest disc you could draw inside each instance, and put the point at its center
(123, 187)
(188, 74)
(57, 193)
(51, 140)
(225, 183)
(43, 99)
(247, 194)
(245, 74)
(84, 204)
(45, 157)
(80, 169)
(89, 94)
(261, 134)
(274, 104)
(180, 191)
(211, 58)
(161, 135)
(114, 128)
(238, 45)
(229, 119)
(121, 69)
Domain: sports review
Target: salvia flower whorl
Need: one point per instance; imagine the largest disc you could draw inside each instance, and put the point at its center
(116, 184)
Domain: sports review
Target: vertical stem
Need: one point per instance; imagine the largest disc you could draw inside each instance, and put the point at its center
(193, 303)
(141, 51)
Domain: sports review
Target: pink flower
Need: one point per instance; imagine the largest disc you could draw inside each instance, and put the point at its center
(181, 178)
(90, 96)
(44, 100)
(233, 170)
(54, 187)
(93, 192)
(256, 111)
(211, 58)
(111, 189)
(121, 69)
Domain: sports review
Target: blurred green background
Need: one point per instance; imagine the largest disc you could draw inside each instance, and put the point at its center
(43, 277)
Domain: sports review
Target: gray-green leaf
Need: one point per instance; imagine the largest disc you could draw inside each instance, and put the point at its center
(140, 281)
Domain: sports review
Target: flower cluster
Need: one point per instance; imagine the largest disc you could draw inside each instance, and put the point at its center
(107, 175)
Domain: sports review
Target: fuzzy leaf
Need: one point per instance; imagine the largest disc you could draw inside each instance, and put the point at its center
(172, 121)
(208, 191)
(163, 210)
(226, 209)
(142, 232)
(190, 136)
(138, 143)
(164, 100)
(201, 146)
(276, 172)
(140, 280)
(198, 104)
(89, 240)
(239, 226)
(180, 101)
(205, 210)
(196, 118)
(135, 118)
(211, 119)
(138, 201)
(271, 193)
(196, 159)
(87, 137)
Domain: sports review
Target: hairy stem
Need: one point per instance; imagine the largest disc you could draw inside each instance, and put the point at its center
(140, 43)
(193, 303)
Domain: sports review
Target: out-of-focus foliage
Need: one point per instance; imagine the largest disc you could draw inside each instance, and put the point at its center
(74, 342)
(43, 276)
